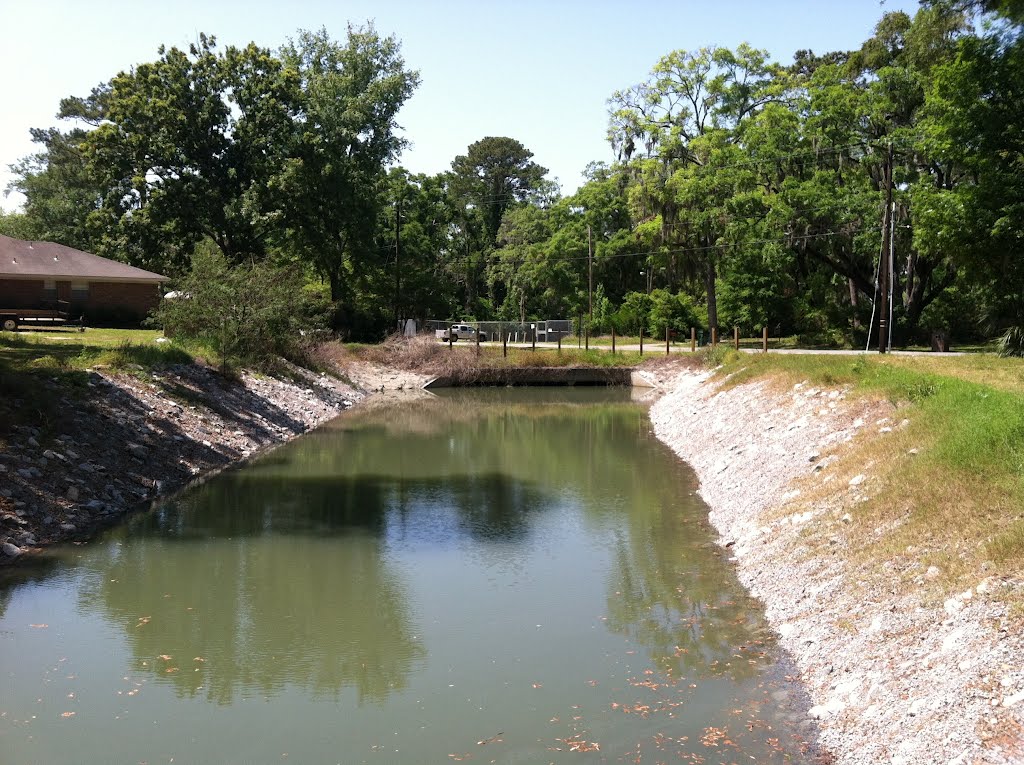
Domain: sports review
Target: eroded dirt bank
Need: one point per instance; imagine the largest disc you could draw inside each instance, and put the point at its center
(896, 675)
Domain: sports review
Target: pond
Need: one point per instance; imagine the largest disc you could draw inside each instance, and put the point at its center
(511, 576)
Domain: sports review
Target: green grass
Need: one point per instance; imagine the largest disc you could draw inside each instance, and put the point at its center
(68, 350)
(960, 501)
(681, 342)
(567, 357)
(39, 368)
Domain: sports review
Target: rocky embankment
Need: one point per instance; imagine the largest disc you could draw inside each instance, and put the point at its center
(896, 675)
(127, 439)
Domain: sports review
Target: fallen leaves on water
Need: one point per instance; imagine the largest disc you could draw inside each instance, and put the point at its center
(39, 626)
(143, 621)
(67, 714)
(713, 736)
(198, 658)
(578, 744)
(537, 685)
(461, 757)
(496, 738)
(164, 656)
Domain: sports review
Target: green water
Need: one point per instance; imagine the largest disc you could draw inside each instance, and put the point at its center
(513, 576)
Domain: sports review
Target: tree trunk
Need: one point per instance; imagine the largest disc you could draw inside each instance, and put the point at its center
(335, 278)
(854, 302)
(710, 279)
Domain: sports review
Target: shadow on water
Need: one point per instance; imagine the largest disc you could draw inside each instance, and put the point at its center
(489, 506)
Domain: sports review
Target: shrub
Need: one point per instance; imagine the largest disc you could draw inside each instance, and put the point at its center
(1011, 343)
(245, 313)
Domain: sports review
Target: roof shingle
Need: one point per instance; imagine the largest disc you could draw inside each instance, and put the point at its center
(48, 260)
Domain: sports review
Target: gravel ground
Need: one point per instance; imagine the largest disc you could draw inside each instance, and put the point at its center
(130, 438)
(893, 678)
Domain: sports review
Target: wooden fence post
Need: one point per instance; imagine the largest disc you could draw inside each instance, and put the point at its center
(668, 335)
(764, 339)
(693, 339)
(613, 340)
(641, 341)
(736, 337)
(504, 344)
(588, 338)
(534, 337)
(559, 341)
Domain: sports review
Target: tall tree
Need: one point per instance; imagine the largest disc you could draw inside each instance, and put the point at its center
(495, 174)
(331, 186)
(974, 127)
(59, 191)
(679, 120)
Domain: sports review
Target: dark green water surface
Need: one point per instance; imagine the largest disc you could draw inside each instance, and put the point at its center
(513, 576)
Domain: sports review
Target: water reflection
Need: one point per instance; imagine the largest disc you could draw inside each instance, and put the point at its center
(255, 617)
(432, 554)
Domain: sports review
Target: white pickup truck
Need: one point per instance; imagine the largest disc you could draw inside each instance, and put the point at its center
(459, 332)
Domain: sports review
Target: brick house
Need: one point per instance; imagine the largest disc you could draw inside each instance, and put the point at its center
(45, 275)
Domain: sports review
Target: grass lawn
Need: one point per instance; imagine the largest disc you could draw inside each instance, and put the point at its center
(957, 500)
(66, 349)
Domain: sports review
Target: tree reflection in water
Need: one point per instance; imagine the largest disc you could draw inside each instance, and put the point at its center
(266, 599)
(280, 574)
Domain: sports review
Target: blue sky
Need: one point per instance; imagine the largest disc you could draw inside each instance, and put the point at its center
(537, 71)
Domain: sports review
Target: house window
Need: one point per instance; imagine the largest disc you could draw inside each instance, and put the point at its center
(79, 292)
(49, 290)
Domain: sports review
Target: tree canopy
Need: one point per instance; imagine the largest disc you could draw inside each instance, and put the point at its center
(740, 190)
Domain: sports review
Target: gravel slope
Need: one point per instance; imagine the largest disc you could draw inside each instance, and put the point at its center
(893, 679)
(130, 439)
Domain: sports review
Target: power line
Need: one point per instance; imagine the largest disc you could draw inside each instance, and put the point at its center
(703, 248)
(728, 218)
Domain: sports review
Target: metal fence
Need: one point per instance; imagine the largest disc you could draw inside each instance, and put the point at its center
(548, 330)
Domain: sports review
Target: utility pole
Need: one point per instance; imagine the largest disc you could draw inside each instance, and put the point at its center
(590, 276)
(398, 262)
(885, 267)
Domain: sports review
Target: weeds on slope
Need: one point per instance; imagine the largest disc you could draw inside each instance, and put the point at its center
(946, 487)
(461, 361)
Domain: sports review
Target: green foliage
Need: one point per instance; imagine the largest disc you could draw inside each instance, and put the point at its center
(147, 356)
(678, 312)
(496, 175)
(331, 184)
(17, 225)
(1011, 343)
(634, 314)
(749, 190)
(714, 356)
(247, 313)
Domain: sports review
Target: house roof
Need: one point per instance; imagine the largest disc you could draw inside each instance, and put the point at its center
(48, 260)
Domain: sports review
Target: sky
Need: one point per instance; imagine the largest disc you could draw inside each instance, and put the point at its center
(538, 71)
